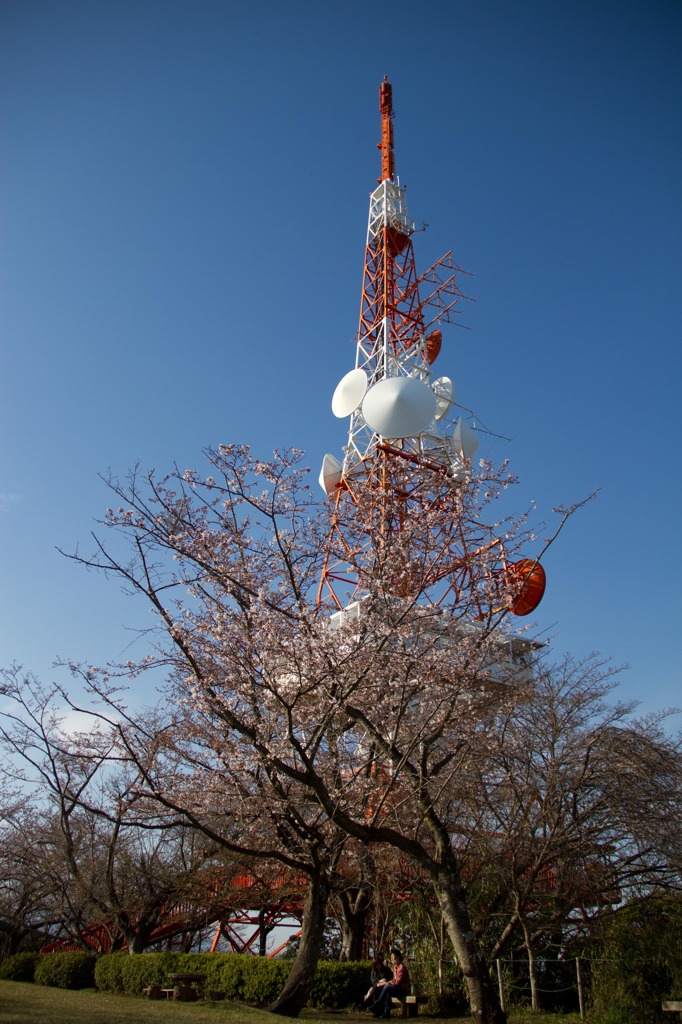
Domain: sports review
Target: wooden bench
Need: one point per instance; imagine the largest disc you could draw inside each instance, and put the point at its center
(156, 992)
(409, 1004)
(672, 1006)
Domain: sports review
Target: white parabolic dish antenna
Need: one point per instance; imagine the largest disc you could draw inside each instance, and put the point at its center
(444, 391)
(330, 474)
(399, 407)
(350, 391)
(464, 440)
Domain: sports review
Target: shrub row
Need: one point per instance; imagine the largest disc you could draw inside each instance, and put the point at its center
(245, 979)
(338, 986)
(238, 976)
(19, 967)
(66, 970)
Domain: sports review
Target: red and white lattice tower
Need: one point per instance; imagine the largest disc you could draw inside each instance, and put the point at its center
(405, 438)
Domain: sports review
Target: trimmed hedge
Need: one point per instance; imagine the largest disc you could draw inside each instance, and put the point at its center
(66, 970)
(231, 976)
(19, 966)
(109, 972)
(123, 972)
(214, 967)
(263, 979)
(339, 985)
(244, 979)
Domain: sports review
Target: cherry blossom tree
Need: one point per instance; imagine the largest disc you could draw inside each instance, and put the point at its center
(29, 905)
(574, 806)
(89, 845)
(353, 726)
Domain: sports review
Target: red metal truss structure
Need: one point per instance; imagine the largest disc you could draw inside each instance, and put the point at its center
(260, 903)
(242, 909)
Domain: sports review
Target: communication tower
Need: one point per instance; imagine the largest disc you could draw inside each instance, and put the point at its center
(409, 443)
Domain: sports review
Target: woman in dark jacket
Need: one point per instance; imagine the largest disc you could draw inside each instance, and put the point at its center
(379, 972)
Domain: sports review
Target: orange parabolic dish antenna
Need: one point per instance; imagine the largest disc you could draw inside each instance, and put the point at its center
(434, 342)
(532, 580)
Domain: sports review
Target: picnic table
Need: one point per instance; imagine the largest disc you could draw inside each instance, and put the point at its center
(183, 986)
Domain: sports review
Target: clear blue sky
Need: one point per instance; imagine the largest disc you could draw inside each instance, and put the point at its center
(184, 202)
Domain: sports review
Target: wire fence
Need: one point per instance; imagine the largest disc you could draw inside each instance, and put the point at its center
(575, 971)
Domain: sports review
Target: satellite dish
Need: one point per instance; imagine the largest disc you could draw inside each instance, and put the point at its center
(434, 342)
(399, 407)
(464, 440)
(330, 474)
(444, 391)
(532, 580)
(350, 391)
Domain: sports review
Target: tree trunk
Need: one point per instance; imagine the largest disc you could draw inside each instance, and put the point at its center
(294, 995)
(353, 917)
(484, 1002)
(532, 963)
(11, 939)
(136, 934)
(265, 927)
(136, 941)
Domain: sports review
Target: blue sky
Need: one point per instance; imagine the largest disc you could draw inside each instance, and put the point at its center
(184, 193)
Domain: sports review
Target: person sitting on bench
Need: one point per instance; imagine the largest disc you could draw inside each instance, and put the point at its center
(379, 974)
(399, 985)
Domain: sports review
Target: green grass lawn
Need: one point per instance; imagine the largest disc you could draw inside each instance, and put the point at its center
(22, 1003)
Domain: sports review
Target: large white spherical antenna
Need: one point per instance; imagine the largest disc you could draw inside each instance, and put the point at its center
(444, 390)
(350, 391)
(330, 474)
(399, 407)
(464, 440)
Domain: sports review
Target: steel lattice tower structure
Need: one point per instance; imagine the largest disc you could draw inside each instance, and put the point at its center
(405, 440)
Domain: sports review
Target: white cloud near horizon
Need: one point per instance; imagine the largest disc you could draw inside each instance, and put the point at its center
(7, 500)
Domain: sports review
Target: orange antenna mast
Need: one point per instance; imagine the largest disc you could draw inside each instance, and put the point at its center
(386, 144)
